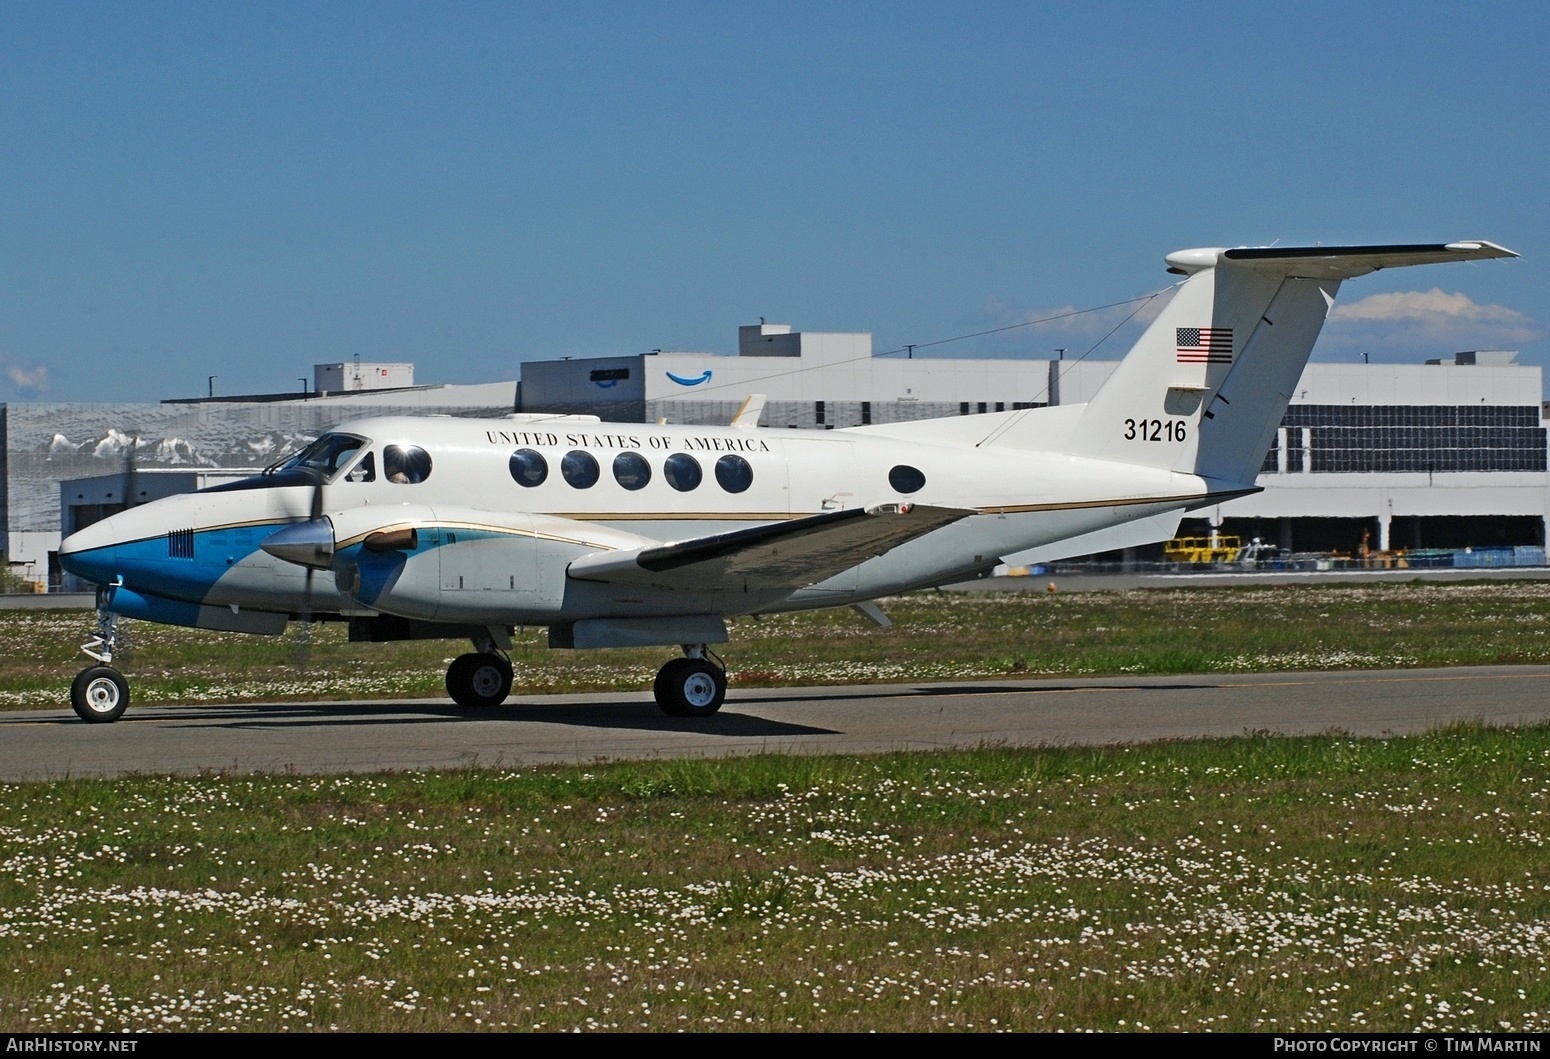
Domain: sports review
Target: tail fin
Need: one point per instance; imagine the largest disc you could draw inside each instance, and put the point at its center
(1204, 389)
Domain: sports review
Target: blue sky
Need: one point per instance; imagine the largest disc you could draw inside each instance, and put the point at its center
(244, 190)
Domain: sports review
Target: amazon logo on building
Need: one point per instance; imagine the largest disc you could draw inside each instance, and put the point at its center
(680, 380)
(608, 377)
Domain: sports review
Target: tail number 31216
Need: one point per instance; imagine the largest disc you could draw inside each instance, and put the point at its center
(1155, 430)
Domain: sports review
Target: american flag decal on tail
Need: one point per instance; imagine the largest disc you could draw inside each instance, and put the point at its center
(1204, 345)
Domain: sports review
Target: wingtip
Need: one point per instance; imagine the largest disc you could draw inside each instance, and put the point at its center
(1480, 248)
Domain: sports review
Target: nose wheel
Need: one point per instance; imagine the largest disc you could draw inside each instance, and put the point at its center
(690, 687)
(99, 695)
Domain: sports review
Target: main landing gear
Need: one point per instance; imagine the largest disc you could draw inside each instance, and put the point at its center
(481, 679)
(100, 694)
(692, 686)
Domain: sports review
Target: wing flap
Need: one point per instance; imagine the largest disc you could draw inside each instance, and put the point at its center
(781, 555)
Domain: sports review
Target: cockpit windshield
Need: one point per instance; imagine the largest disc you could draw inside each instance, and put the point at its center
(324, 458)
(321, 461)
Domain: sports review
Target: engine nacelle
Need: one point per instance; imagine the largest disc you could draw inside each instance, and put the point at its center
(461, 564)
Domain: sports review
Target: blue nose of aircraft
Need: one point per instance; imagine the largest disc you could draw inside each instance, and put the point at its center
(99, 564)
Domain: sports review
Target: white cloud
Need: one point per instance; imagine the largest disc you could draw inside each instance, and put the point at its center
(1409, 323)
(1432, 305)
(31, 380)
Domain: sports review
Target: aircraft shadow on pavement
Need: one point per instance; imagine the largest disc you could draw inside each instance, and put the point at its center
(613, 715)
(864, 691)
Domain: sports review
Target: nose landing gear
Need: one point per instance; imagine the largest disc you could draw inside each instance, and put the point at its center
(100, 694)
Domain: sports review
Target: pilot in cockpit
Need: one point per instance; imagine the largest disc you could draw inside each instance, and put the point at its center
(365, 471)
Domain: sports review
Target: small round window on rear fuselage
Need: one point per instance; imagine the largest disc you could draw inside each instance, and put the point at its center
(906, 479)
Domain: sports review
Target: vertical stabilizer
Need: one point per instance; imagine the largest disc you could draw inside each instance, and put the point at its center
(1204, 389)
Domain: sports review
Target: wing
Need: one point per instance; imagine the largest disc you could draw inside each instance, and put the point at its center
(781, 555)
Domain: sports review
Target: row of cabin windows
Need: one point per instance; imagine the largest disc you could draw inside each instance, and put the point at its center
(410, 464)
(580, 470)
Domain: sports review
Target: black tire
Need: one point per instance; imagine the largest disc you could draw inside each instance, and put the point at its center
(99, 695)
(690, 687)
(479, 681)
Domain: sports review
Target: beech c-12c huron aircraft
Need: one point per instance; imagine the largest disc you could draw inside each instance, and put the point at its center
(614, 534)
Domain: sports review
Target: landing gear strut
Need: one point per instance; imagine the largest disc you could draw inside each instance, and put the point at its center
(100, 694)
(692, 686)
(481, 679)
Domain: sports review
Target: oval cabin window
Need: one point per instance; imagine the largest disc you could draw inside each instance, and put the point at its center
(405, 464)
(734, 474)
(631, 470)
(682, 472)
(579, 469)
(529, 468)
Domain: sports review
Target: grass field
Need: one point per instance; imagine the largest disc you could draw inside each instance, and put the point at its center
(1331, 884)
(1247, 884)
(947, 636)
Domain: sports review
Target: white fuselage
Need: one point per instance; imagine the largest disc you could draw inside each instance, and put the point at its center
(605, 486)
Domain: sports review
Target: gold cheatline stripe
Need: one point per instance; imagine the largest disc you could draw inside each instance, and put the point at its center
(697, 516)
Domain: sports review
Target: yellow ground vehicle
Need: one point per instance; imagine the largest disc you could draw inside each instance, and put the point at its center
(1214, 549)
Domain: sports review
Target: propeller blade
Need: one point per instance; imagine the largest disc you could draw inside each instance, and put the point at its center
(317, 494)
(301, 646)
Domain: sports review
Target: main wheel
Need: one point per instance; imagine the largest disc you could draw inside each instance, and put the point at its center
(99, 695)
(479, 681)
(690, 687)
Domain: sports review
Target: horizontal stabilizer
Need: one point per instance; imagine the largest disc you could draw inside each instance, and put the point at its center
(1336, 262)
(781, 555)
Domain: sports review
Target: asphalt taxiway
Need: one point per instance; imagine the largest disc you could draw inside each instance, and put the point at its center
(592, 728)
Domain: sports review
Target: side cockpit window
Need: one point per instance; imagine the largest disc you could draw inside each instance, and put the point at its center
(405, 464)
(365, 471)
